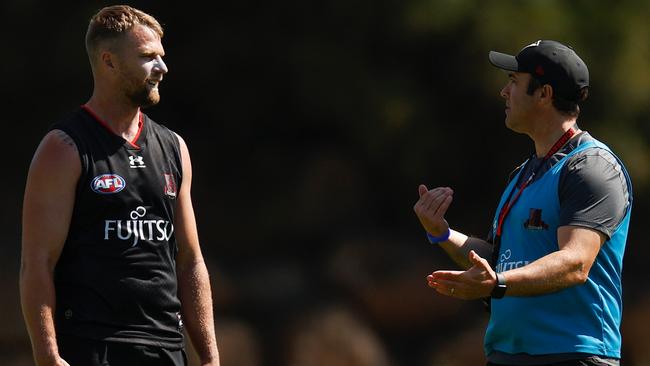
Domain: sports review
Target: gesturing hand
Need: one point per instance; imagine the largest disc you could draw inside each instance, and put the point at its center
(431, 209)
(475, 283)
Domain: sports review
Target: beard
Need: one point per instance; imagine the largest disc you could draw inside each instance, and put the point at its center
(138, 92)
(143, 96)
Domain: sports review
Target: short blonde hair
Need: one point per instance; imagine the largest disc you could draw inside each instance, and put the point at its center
(112, 22)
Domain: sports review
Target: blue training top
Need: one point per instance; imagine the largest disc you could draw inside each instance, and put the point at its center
(580, 319)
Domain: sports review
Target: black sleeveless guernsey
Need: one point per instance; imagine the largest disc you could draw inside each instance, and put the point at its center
(116, 277)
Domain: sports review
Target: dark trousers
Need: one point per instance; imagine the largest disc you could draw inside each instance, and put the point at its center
(88, 352)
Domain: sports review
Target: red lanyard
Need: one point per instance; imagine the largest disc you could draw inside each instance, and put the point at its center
(509, 203)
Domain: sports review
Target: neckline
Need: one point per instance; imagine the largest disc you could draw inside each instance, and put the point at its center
(133, 144)
(510, 201)
(544, 164)
(561, 142)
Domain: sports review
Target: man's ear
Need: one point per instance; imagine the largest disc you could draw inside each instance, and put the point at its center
(107, 59)
(546, 93)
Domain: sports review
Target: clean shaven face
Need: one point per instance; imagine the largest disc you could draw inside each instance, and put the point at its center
(519, 103)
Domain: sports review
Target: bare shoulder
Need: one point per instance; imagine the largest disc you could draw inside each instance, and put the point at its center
(56, 154)
(181, 142)
(58, 141)
(185, 153)
(49, 197)
(61, 137)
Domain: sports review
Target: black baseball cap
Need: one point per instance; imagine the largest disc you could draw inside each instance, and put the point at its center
(550, 62)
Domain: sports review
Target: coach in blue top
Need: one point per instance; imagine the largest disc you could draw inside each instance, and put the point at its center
(552, 261)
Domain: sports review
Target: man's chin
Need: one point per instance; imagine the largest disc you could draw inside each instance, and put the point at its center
(146, 101)
(150, 103)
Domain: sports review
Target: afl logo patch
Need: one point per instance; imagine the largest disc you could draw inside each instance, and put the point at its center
(108, 183)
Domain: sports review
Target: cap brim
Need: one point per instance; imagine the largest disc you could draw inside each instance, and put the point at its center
(504, 61)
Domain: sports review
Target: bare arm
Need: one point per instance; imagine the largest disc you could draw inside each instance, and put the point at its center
(193, 279)
(431, 209)
(567, 267)
(47, 210)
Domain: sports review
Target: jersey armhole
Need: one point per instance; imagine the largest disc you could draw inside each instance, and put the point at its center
(83, 158)
(177, 146)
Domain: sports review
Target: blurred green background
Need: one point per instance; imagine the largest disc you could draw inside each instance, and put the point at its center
(310, 126)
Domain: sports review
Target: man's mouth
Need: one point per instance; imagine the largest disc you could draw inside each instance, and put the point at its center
(153, 83)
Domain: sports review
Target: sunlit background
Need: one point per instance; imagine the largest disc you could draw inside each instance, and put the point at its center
(310, 126)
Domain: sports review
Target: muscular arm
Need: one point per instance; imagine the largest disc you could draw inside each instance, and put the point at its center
(47, 210)
(193, 279)
(567, 267)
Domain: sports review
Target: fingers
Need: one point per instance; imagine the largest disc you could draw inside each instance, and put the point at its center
(442, 208)
(473, 257)
(448, 288)
(431, 208)
(434, 199)
(422, 189)
(437, 198)
(478, 260)
(446, 276)
(476, 282)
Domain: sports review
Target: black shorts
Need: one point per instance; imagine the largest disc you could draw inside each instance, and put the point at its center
(89, 352)
(588, 361)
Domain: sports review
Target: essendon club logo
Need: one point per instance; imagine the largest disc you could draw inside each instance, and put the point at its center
(170, 185)
(108, 183)
(535, 221)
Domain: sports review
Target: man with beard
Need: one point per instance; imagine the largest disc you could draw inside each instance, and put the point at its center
(111, 264)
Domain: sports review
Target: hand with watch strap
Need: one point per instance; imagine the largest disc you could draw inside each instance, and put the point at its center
(479, 281)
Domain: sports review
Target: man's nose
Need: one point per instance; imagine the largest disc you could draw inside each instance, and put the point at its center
(160, 65)
(505, 91)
